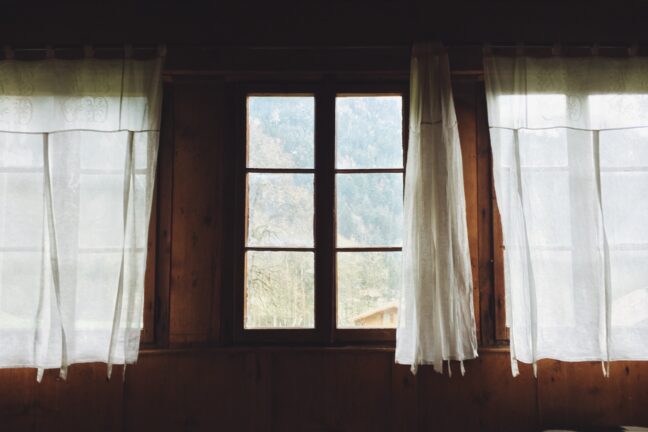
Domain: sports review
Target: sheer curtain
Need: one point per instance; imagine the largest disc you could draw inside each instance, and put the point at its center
(78, 147)
(436, 311)
(570, 157)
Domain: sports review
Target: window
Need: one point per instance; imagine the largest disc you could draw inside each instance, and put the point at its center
(279, 258)
(320, 198)
(369, 209)
(77, 169)
(570, 171)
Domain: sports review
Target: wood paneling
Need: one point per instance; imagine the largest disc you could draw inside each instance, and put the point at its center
(487, 398)
(577, 394)
(195, 391)
(485, 229)
(330, 389)
(354, 389)
(86, 401)
(465, 100)
(197, 213)
(308, 390)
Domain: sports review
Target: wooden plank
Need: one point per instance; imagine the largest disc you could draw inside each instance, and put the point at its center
(501, 331)
(404, 402)
(331, 391)
(465, 100)
(485, 229)
(86, 401)
(577, 394)
(487, 398)
(148, 332)
(195, 391)
(196, 252)
(164, 213)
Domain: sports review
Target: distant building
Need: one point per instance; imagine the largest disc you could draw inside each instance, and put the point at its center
(385, 316)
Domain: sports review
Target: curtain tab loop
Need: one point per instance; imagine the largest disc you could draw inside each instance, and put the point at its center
(128, 51)
(595, 49)
(487, 49)
(162, 50)
(519, 49)
(88, 51)
(49, 52)
(8, 52)
(556, 50)
(605, 366)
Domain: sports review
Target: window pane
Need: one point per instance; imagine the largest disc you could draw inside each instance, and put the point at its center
(21, 150)
(369, 209)
(19, 273)
(369, 132)
(279, 290)
(21, 210)
(368, 287)
(280, 208)
(101, 220)
(281, 131)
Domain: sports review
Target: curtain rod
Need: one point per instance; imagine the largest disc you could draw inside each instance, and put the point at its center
(449, 45)
(88, 49)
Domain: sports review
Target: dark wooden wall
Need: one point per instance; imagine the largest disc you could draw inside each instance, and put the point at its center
(195, 385)
(192, 383)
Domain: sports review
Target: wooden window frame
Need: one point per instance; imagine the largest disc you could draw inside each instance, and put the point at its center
(324, 91)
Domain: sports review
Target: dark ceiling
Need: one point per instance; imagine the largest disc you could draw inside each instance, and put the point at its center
(321, 22)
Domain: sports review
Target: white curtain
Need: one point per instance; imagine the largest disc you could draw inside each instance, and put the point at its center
(436, 311)
(78, 148)
(570, 157)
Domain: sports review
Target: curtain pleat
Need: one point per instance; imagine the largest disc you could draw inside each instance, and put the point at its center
(78, 152)
(436, 310)
(570, 162)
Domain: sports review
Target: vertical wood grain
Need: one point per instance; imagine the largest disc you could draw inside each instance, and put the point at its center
(464, 93)
(485, 229)
(148, 331)
(577, 394)
(331, 391)
(164, 214)
(192, 391)
(404, 403)
(196, 252)
(487, 398)
(85, 401)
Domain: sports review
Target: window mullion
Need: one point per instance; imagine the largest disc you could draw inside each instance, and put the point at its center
(325, 212)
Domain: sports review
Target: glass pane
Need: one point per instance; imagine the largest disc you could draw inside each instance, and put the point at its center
(280, 210)
(20, 273)
(369, 209)
(368, 286)
(21, 210)
(279, 290)
(101, 219)
(624, 148)
(98, 150)
(369, 132)
(629, 289)
(625, 206)
(96, 270)
(21, 150)
(281, 131)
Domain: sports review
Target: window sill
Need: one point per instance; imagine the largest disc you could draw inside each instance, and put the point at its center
(375, 348)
